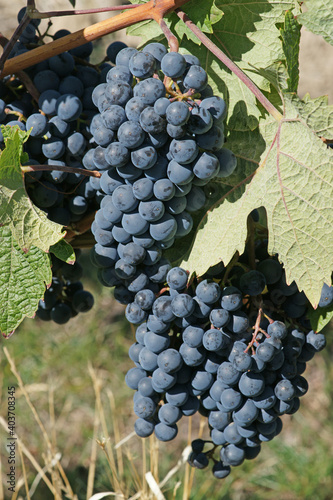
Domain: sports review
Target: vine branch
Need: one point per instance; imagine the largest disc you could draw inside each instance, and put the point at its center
(22, 75)
(61, 168)
(230, 65)
(150, 10)
(36, 14)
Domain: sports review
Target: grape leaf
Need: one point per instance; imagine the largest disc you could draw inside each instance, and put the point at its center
(320, 317)
(291, 35)
(318, 18)
(22, 281)
(63, 251)
(317, 114)
(294, 182)
(29, 225)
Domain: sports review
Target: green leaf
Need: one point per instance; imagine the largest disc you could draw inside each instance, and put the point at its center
(29, 225)
(317, 114)
(22, 281)
(63, 251)
(320, 317)
(294, 183)
(291, 35)
(204, 15)
(318, 18)
(72, 2)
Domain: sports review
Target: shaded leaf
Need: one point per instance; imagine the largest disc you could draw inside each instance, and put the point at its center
(63, 251)
(291, 35)
(320, 317)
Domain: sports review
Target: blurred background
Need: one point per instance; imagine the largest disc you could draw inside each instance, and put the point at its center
(74, 412)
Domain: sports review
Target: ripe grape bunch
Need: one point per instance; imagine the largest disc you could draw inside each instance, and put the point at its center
(65, 297)
(225, 347)
(160, 141)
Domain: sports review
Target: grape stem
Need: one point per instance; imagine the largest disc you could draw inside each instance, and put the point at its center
(50, 168)
(230, 65)
(256, 329)
(172, 39)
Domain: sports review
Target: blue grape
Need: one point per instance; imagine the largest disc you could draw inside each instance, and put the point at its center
(143, 428)
(144, 407)
(133, 377)
(326, 297)
(208, 292)
(173, 64)
(113, 49)
(212, 140)
(130, 134)
(145, 299)
(177, 113)
(170, 361)
(184, 151)
(216, 106)
(177, 395)
(163, 189)
(68, 107)
(148, 359)
(119, 73)
(149, 90)
(165, 432)
(192, 356)
(206, 166)
(231, 298)
(157, 50)
(196, 78)
(165, 228)
(161, 106)
(142, 64)
(251, 384)
(156, 342)
(200, 121)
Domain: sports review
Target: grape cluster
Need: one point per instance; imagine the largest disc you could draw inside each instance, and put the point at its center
(159, 141)
(59, 125)
(65, 297)
(226, 348)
